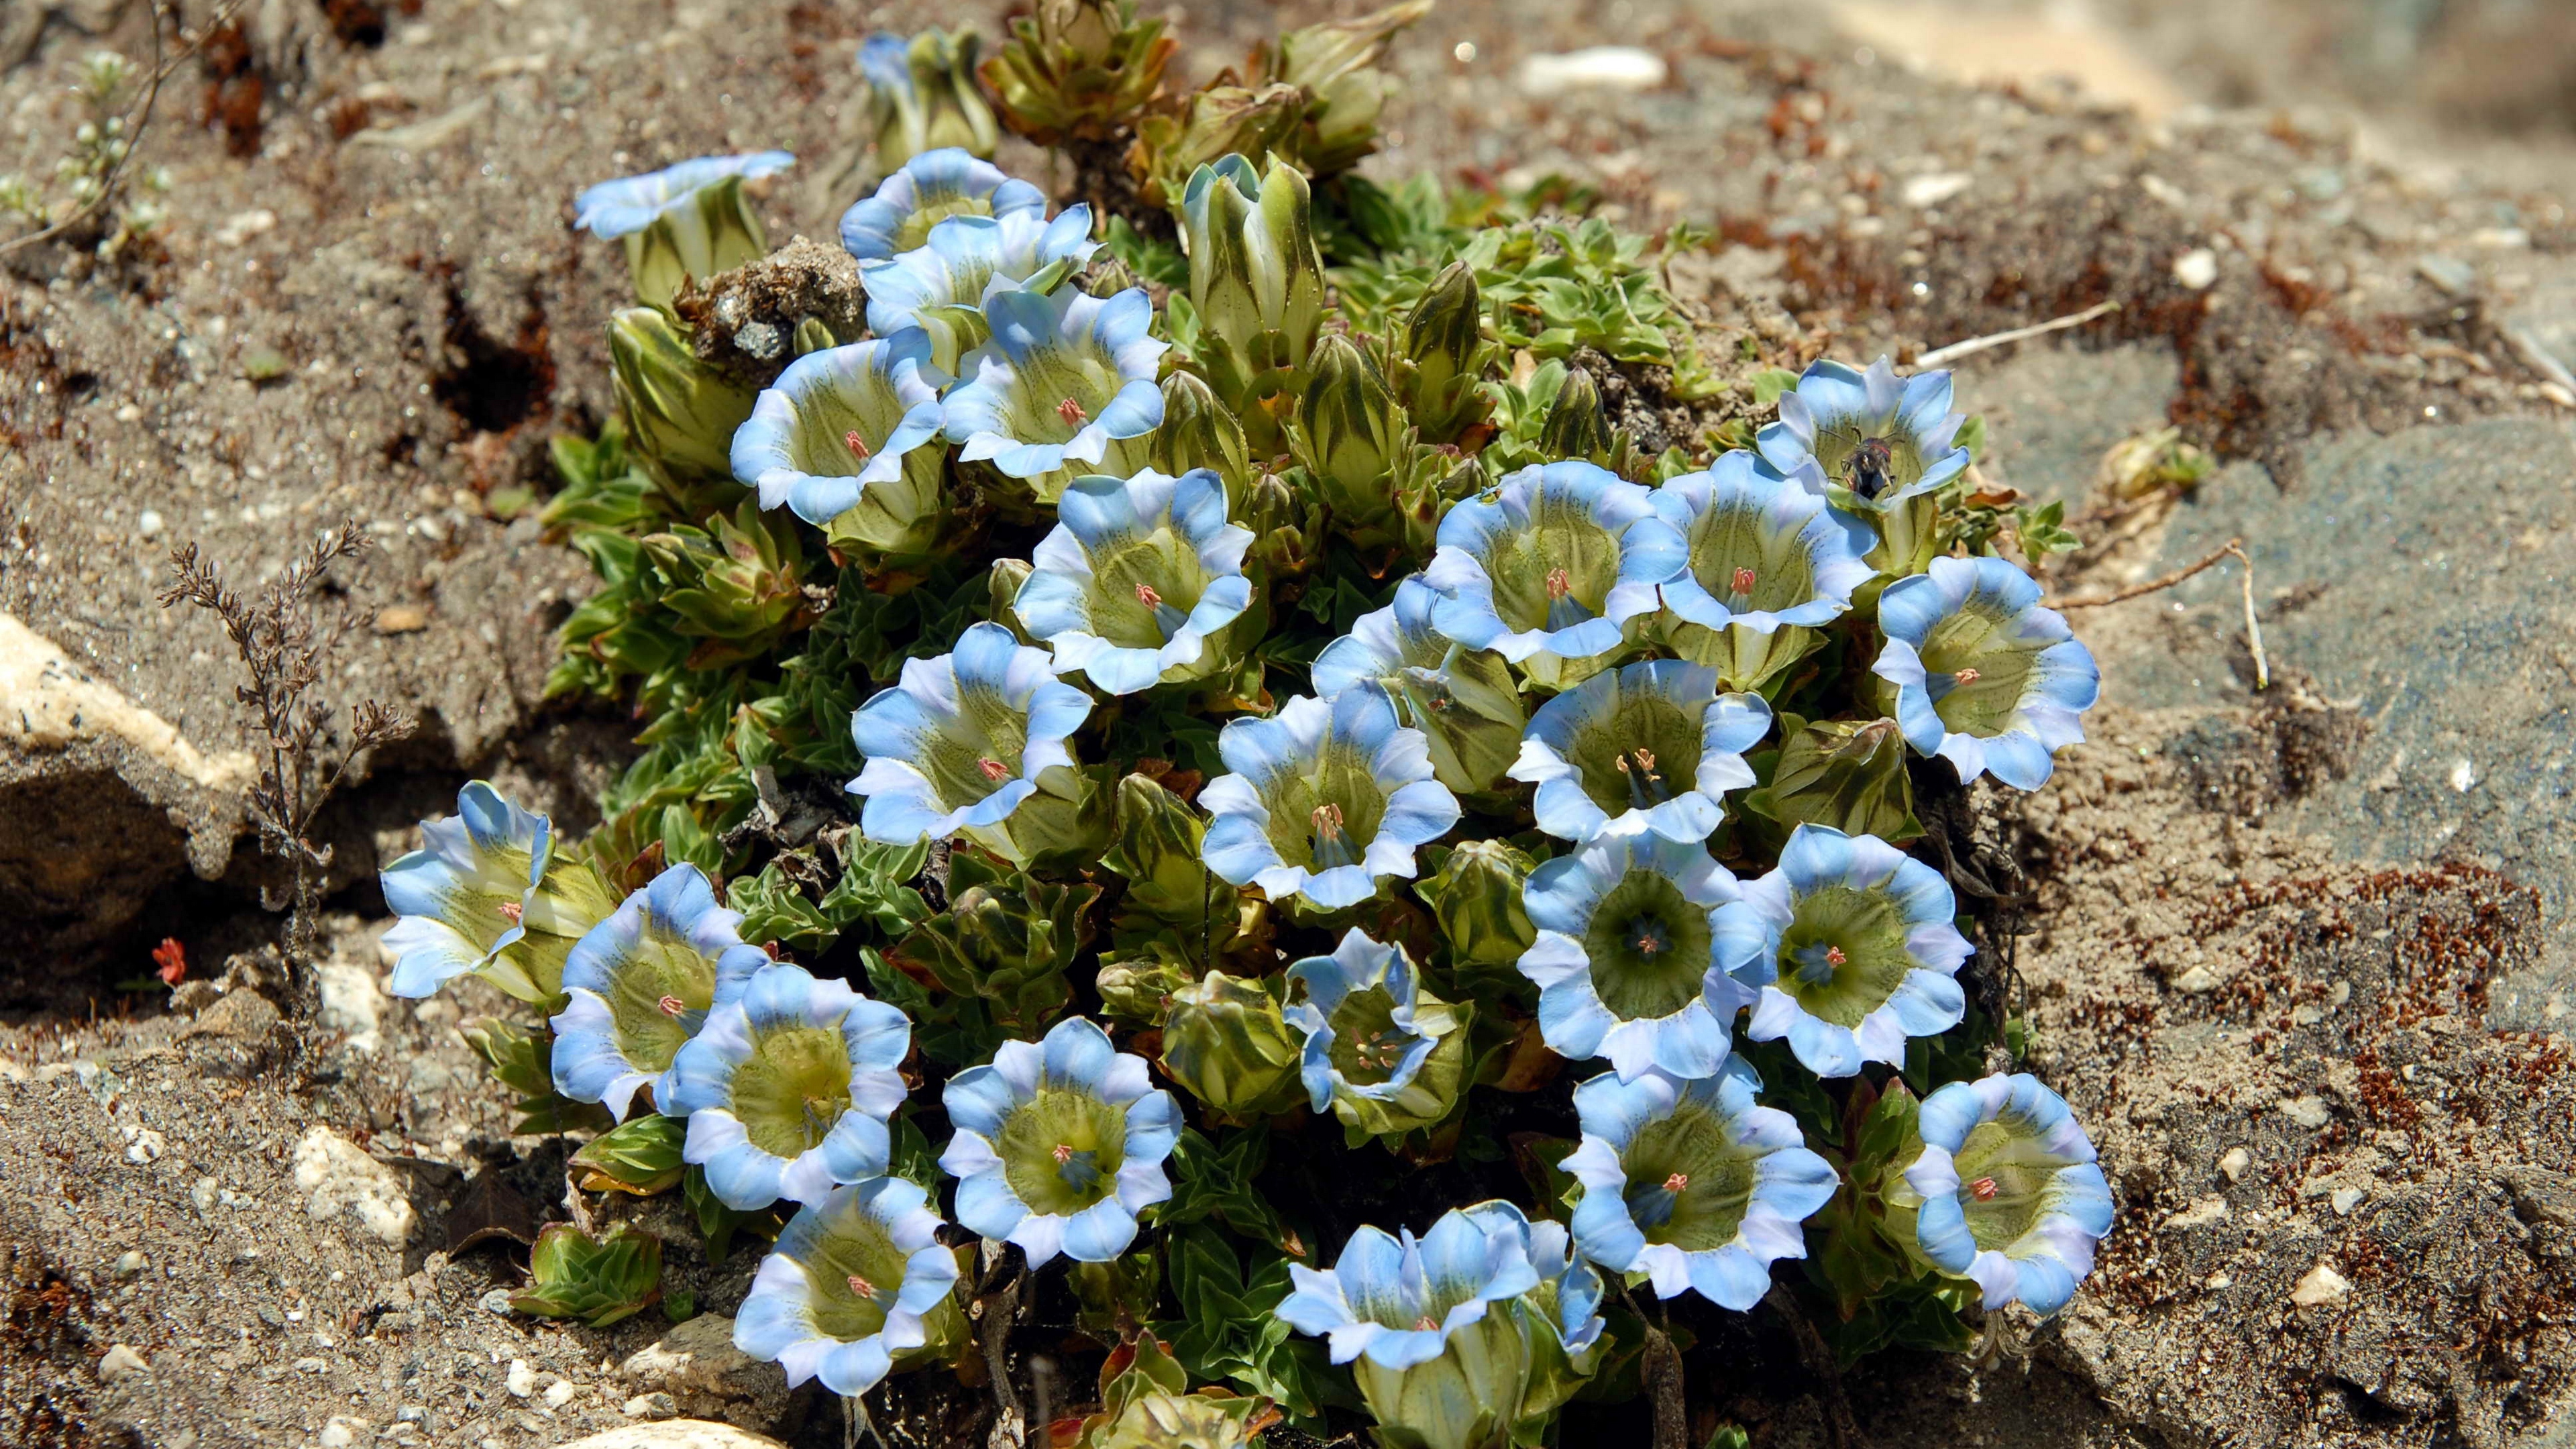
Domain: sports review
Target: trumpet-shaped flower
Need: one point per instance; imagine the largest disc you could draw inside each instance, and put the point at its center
(1652, 746)
(1553, 562)
(967, 257)
(1984, 677)
(613, 209)
(1622, 958)
(1561, 1316)
(485, 893)
(1371, 1032)
(1765, 549)
(1692, 1184)
(787, 1088)
(964, 739)
(1060, 1144)
(847, 439)
(1061, 380)
(1464, 701)
(2009, 1192)
(641, 983)
(1324, 798)
(1851, 944)
(1136, 580)
(922, 97)
(927, 190)
(1883, 441)
(849, 1287)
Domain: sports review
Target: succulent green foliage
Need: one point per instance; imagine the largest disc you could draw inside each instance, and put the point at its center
(1004, 941)
(600, 1281)
(1146, 1404)
(640, 1156)
(1225, 1332)
(521, 1059)
(870, 894)
(1078, 70)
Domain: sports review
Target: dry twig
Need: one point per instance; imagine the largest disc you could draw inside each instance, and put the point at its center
(1957, 350)
(2253, 624)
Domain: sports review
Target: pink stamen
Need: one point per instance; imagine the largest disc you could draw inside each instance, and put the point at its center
(1071, 412)
(1327, 820)
(1743, 581)
(994, 770)
(858, 445)
(1834, 956)
(1966, 676)
(1983, 1188)
(1558, 584)
(512, 910)
(672, 1006)
(1146, 596)
(1063, 1153)
(1425, 1325)
(862, 1287)
(1677, 1182)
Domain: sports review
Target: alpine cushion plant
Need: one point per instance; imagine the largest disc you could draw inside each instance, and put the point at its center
(486, 894)
(787, 1088)
(1060, 1144)
(641, 983)
(1692, 1184)
(847, 439)
(964, 740)
(2006, 1191)
(1649, 746)
(1983, 676)
(1548, 568)
(1139, 580)
(1062, 381)
(1325, 799)
(854, 1285)
(1380, 1052)
(1623, 957)
(1851, 943)
(927, 190)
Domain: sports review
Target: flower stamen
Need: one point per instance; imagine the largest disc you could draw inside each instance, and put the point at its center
(857, 445)
(1646, 787)
(1983, 1189)
(1425, 1325)
(1559, 584)
(862, 1287)
(1677, 1182)
(1967, 677)
(1146, 596)
(1072, 412)
(1332, 844)
(511, 911)
(1834, 957)
(672, 1006)
(994, 770)
(1743, 581)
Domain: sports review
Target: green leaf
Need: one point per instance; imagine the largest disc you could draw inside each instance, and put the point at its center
(521, 1058)
(597, 1280)
(717, 1223)
(639, 1156)
(1769, 383)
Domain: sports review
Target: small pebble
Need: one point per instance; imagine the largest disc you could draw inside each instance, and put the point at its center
(2233, 1165)
(132, 1263)
(496, 1301)
(2321, 1286)
(2448, 273)
(655, 1405)
(401, 619)
(148, 523)
(521, 1380)
(2308, 1112)
(1618, 67)
(2345, 1199)
(120, 1361)
(2196, 269)
(560, 1392)
(336, 1435)
(1932, 190)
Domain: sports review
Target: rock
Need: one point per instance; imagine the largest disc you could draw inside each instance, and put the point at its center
(131, 1264)
(2321, 1286)
(675, 1434)
(521, 1380)
(335, 1174)
(650, 1406)
(2196, 269)
(119, 1362)
(2233, 1165)
(343, 1431)
(2345, 1199)
(148, 524)
(697, 1364)
(351, 1001)
(560, 1392)
(1935, 188)
(401, 619)
(2201, 1214)
(2448, 273)
(1614, 67)
(2540, 1195)
(2308, 1112)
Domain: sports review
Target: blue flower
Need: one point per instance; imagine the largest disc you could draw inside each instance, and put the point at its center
(846, 427)
(2033, 1203)
(929, 189)
(641, 983)
(1851, 944)
(1397, 1302)
(1565, 1307)
(1325, 797)
(1651, 746)
(1692, 1184)
(486, 894)
(1880, 441)
(1062, 379)
(1764, 547)
(968, 257)
(1465, 702)
(848, 1287)
(1984, 677)
(964, 739)
(1553, 562)
(1622, 958)
(612, 209)
(1369, 1030)
(1060, 1144)
(787, 1088)
(1137, 579)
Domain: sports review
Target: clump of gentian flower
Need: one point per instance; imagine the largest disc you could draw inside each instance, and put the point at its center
(681, 222)
(1426, 1327)
(964, 740)
(1770, 562)
(787, 1088)
(1851, 943)
(1650, 746)
(2006, 1191)
(641, 983)
(1064, 380)
(1983, 676)
(1883, 445)
(1547, 569)
(927, 190)
(1060, 1144)
(941, 285)
(857, 1283)
(487, 894)
(1463, 700)
(1622, 960)
(1325, 798)
(1381, 1053)
(1138, 581)
(848, 439)
(1692, 1184)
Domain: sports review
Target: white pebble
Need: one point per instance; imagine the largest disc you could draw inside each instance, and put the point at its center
(2196, 269)
(1619, 67)
(2322, 1285)
(1938, 187)
(560, 1392)
(2463, 775)
(2233, 1165)
(2308, 1112)
(120, 1361)
(2346, 1199)
(521, 1380)
(148, 523)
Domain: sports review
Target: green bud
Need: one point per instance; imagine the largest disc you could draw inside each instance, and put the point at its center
(1576, 426)
(1349, 430)
(1137, 985)
(1200, 432)
(1476, 898)
(1444, 354)
(1285, 539)
(597, 1280)
(1006, 940)
(680, 413)
(1256, 284)
(1145, 1403)
(1061, 828)
(715, 232)
(1849, 774)
(1157, 849)
(1469, 708)
(738, 584)
(1214, 122)
(942, 106)
(1079, 69)
(640, 1156)
(1225, 1040)
(1106, 277)
(1002, 586)
(1335, 63)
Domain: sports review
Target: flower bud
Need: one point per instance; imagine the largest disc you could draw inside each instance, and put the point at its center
(1444, 355)
(1349, 430)
(1002, 586)
(1282, 520)
(1576, 426)
(1199, 432)
(738, 584)
(1156, 848)
(1849, 774)
(680, 413)
(1476, 897)
(1256, 282)
(1226, 1041)
(1335, 64)
(1078, 68)
(1008, 942)
(922, 95)
(1137, 984)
